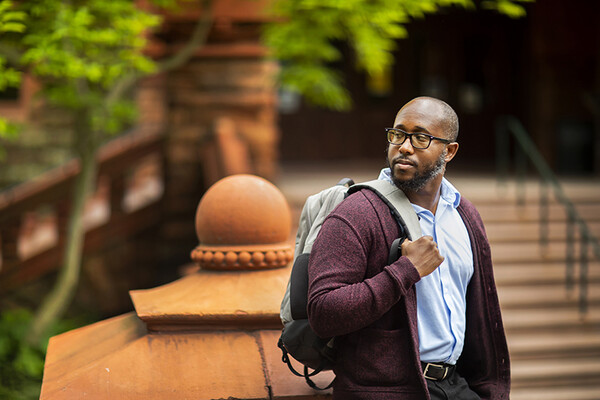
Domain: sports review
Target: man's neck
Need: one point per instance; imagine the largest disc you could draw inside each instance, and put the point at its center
(429, 196)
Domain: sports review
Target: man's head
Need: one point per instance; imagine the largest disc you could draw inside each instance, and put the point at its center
(413, 168)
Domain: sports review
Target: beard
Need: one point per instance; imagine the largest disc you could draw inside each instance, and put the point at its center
(421, 178)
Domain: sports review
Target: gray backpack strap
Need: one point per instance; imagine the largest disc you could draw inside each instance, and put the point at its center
(397, 201)
(316, 208)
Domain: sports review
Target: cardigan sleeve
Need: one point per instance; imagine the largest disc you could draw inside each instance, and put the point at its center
(347, 290)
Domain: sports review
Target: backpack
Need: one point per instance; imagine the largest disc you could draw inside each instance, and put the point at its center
(297, 337)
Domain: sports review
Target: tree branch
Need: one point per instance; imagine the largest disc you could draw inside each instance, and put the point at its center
(198, 37)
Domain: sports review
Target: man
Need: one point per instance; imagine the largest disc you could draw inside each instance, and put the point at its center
(429, 324)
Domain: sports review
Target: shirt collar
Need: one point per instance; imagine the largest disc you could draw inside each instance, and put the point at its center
(448, 191)
(385, 175)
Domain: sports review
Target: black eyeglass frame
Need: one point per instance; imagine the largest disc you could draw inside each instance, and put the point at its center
(410, 135)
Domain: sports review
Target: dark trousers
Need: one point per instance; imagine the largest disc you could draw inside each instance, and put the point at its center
(453, 387)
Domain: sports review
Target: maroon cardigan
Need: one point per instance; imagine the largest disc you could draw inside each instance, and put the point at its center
(371, 307)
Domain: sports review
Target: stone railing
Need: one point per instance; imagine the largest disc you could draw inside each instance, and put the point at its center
(33, 215)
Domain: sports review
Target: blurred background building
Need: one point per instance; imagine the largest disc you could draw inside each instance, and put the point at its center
(543, 69)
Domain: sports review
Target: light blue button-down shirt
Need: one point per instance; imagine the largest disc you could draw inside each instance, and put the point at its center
(441, 303)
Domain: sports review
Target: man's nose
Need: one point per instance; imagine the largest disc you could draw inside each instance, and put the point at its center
(406, 147)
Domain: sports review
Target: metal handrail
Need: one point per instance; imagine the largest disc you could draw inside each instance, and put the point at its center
(526, 149)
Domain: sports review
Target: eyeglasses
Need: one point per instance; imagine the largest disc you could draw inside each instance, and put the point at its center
(418, 140)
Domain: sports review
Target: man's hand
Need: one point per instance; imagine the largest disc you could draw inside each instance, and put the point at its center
(423, 253)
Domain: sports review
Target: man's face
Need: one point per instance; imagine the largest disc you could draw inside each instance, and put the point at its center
(423, 172)
(413, 168)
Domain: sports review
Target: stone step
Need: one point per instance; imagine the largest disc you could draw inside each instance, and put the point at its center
(537, 274)
(549, 296)
(488, 189)
(511, 231)
(533, 252)
(547, 345)
(530, 212)
(545, 373)
(533, 321)
(588, 392)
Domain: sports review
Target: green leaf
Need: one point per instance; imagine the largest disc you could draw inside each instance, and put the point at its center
(320, 85)
(11, 20)
(7, 344)
(29, 361)
(506, 7)
(9, 77)
(13, 27)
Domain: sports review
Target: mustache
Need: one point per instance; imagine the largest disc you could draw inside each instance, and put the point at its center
(404, 159)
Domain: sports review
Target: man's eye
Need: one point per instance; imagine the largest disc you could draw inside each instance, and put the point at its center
(398, 136)
(421, 139)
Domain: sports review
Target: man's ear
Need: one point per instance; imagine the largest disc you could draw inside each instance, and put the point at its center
(452, 150)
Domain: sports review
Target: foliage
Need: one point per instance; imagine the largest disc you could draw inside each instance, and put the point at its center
(507, 7)
(86, 55)
(11, 22)
(306, 35)
(21, 363)
(78, 51)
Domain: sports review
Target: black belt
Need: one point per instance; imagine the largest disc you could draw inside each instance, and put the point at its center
(437, 371)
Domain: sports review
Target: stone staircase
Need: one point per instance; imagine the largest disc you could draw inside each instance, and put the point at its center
(555, 350)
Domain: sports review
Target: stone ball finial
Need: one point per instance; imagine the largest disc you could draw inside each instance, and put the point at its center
(243, 222)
